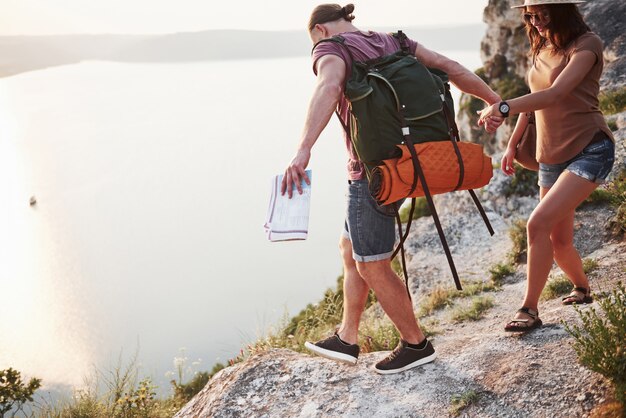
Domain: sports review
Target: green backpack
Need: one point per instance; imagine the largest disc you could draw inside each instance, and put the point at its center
(395, 99)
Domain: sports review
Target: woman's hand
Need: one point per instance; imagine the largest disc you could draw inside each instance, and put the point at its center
(296, 172)
(490, 117)
(506, 165)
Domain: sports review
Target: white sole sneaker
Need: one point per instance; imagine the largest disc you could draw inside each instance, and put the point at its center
(329, 354)
(408, 366)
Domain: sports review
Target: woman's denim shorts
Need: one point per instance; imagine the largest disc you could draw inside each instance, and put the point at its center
(593, 163)
(369, 226)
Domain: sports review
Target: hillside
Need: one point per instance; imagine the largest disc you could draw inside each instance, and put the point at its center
(481, 371)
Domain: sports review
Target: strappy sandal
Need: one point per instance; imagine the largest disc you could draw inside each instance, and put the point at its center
(522, 325)
(578, 296)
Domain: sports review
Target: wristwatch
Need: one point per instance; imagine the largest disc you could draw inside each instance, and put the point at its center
(504, 109)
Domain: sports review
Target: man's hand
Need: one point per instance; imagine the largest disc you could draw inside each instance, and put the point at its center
(296, 172)
(490, 118)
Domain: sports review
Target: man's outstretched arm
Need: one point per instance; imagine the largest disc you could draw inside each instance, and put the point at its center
(330, 77)
(461, 77)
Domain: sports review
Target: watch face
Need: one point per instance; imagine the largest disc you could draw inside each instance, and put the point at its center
(504, 108)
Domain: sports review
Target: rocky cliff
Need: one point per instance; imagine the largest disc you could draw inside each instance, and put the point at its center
(481, 371)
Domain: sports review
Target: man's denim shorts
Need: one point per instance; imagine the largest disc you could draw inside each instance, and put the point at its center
(369, 226)
(593, 163)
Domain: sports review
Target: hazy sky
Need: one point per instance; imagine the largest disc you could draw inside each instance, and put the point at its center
(38, 17)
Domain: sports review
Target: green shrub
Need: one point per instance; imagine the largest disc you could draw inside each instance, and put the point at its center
(438, 298)
(441, 297)
(522, 183)
(186, 391)
(115, 394)
(599, 195)
(589, 265)
(517, 233)
(462, 401)
(600, 342)
(555, 287)
(474, 311)
(379, 335)
(14, 393)
(499, 271)
(510, 85)
(382, 335)
(613, 101)
(421, 210)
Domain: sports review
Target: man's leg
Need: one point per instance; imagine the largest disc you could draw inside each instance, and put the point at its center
(391, 293)
(355, 292)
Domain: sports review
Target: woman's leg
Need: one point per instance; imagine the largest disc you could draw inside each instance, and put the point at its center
(556, 205)
(565, 254)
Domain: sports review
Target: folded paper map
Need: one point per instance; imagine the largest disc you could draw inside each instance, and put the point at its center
(288, 219)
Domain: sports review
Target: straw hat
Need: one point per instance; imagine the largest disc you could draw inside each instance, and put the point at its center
(542, 2)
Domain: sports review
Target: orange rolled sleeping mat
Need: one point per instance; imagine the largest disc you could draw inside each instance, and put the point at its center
(392, 180)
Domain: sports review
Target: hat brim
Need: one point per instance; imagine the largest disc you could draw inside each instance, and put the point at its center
(552, 2)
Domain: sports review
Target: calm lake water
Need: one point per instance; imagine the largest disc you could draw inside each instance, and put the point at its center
(152, 183)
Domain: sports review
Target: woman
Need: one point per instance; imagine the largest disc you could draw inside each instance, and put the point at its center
(575, 147)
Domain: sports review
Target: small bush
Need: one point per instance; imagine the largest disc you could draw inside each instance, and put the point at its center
(557, 286)
(589, 265)
(510, 85)
(473, 312)
(421, 210)
(462, 401)
(517, 233)
(14, 393)
(600, 342)
(522, 183)
(380, 335)
(613, 101)
(438, 298)
(499, 271)
(599, 196)
(442, 297)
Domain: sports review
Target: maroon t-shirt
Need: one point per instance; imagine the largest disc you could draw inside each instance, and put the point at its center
(363, 46)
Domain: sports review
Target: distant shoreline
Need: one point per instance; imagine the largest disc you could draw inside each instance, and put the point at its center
(29, 53)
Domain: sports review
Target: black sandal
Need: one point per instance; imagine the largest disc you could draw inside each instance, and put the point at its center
(579, 296)
(516, 324)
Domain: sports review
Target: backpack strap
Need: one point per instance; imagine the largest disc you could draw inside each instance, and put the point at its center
(454, 137)
(433, 211)
(403, 40)
(340, 40)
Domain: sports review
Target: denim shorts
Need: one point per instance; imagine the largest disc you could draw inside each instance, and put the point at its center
(593, 163)
(369, 226)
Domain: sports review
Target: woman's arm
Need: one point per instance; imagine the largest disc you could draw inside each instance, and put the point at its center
(506, 164)
(575, 71)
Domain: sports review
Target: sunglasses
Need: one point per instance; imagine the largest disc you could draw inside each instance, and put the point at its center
(542, 16)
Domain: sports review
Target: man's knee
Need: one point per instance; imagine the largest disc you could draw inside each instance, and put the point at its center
(345, 249)
(372, 271)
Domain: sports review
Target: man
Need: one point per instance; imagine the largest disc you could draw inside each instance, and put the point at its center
(367, 242)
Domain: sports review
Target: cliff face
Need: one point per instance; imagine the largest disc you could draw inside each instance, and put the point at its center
(508, 375)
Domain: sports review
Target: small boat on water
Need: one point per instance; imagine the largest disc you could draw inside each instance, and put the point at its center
(32, 201)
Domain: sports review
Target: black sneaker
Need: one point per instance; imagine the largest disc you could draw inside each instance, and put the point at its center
(335, 349)
(404, 358)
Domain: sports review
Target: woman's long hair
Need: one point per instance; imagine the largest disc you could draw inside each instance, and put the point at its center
(566, 24)
(329, 13)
